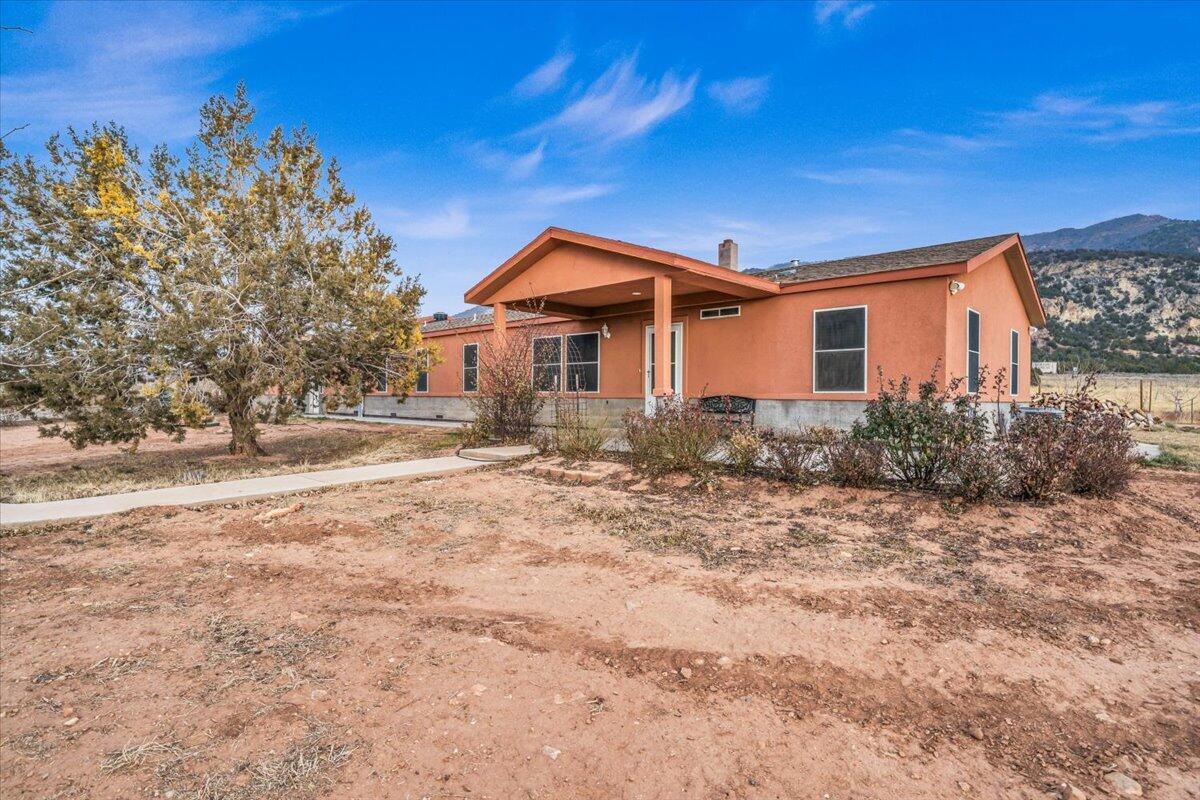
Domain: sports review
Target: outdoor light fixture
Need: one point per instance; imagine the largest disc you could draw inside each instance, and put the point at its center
(637, 294)
(957, 286)
(604, 331)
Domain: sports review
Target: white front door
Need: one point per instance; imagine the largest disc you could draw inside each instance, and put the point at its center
(676, 363)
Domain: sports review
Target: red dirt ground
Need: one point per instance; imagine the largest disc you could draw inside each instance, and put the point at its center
(498, 635)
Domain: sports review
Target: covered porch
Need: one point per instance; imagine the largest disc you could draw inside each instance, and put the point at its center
(576, 276)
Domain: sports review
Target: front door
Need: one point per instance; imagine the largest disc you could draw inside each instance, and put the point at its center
(676, 363)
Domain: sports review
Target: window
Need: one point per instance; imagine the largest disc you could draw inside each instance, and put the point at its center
(423, 375)
(381, 381)
(547, 363)
(717, 313)
(583, 362)
(470, 367)
(972, 351)
(1014, 362)
(840, 349)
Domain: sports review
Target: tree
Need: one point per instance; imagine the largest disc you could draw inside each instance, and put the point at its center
(138, 296)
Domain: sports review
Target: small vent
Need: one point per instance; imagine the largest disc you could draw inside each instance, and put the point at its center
(724, 311)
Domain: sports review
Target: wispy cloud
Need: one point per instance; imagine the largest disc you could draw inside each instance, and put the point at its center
(1096, 121)
(546, 78)
(847, 12)
(515, 165)
(549, 196)
(762, 242)
(452, 221)
(141, 65)
(741, 95)
(868, 176)
(621, 104)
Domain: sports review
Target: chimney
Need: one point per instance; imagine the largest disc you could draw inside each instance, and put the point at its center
(727, 254)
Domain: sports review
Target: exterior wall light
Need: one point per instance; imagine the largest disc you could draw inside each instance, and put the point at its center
(605, 332)
(957, 286)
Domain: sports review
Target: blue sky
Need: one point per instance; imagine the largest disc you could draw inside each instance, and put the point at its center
(801, 130)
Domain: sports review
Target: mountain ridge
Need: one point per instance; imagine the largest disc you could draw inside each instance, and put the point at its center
(1148, 233)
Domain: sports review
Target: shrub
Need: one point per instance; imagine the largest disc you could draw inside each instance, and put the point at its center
(1036, 456)
(506, 402)
(921, 436)
(978, 472)
(1103, 455)
(677, 437)
(792, 455)
(851, 461)
(744, 448)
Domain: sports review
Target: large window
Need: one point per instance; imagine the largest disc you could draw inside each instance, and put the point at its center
(583, 362)
(840, 349)
(1014, 359)
(470, 367)
(547, 363)
(972, 350)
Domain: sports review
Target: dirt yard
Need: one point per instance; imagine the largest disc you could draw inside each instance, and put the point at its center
(498, 635)
(33, 468)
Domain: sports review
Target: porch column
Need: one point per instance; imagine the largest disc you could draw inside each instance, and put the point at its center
(662, 336)
(499, 320)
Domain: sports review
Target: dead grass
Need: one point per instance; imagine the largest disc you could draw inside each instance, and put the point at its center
(1123, 388)
(37, 470)
(135, 756)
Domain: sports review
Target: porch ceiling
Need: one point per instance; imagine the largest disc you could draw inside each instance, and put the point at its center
(577, 275)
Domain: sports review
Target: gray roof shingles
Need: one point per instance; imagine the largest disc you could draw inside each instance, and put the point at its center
(934, 255)
(948, 253)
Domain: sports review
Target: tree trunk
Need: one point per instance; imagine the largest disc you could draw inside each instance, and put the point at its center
(245, 433)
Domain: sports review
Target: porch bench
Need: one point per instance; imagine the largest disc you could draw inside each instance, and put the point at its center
(731, 408)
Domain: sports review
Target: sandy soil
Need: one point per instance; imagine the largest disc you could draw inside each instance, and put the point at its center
(33, 468)
(498, 635)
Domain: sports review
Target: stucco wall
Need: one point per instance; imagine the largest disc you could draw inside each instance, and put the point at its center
(990, 290)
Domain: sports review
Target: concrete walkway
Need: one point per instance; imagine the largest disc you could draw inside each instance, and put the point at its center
(14, 514)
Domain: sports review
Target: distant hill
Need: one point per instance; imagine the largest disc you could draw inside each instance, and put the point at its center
(1135, 233)
(1114, 311)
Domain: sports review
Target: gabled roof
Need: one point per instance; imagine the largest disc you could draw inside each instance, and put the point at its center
(931, 256)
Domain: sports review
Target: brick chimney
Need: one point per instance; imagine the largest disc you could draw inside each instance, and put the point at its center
(727, 254)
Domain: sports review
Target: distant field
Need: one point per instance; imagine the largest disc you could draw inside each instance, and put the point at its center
(1123, 388)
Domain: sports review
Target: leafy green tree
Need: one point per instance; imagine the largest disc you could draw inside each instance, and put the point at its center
(148, 295)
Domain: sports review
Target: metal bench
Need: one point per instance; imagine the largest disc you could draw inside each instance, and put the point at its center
(732, 408)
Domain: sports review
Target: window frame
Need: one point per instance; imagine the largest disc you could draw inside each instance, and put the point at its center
(977, 351)
(1014, 361)
(533, 363)
(566, 362)
(475, 368)
(864, 348)
(715, 313)
(422, 372)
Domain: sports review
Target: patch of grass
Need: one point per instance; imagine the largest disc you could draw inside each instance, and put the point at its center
(1180, 447)
(135, 755)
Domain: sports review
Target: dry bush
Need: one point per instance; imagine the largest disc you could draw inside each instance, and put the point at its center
(1036, 456)
(506, 402)
(792, 456)
(744, 448)
(1103, 455)
(978, 473)
(678, 437)
(851, 461)
(575, 436)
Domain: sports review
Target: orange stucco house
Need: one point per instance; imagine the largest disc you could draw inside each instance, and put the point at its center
(804, 341)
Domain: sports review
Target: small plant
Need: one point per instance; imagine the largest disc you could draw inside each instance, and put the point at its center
(744, 449)
(851, 461)
(678, 437)
(978, 473)
(792, 456)
(575, 436)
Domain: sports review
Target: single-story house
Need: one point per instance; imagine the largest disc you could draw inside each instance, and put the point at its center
(805, 341)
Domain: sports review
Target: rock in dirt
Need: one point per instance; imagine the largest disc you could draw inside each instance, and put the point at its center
(685, 672)
(975, 732)
(276, 513)
(552, 752)
(1123, 785)
(1073, 792)
(75, 721)
(319, 695)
